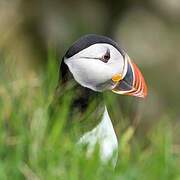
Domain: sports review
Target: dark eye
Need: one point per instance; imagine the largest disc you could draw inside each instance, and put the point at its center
(106, 57)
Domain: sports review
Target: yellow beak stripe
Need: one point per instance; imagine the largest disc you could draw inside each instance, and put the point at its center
(117, 78)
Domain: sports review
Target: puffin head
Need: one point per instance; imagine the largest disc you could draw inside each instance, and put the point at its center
(98, 63)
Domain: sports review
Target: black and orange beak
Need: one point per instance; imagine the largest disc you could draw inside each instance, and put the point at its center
(131, 81)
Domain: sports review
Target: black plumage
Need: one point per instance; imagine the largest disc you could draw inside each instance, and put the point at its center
(87, 106)
(88, 40)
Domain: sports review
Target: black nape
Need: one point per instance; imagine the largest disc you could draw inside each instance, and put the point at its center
(63, 72)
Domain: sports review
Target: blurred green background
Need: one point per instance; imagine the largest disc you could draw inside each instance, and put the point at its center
(35, 35)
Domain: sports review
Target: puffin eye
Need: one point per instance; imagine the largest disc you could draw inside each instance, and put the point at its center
(106, 57)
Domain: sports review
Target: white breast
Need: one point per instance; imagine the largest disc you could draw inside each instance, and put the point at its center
(104, 135)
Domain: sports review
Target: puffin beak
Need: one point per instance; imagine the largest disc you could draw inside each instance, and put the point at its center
(131, 81)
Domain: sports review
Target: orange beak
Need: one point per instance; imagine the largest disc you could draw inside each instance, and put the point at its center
(131, 81)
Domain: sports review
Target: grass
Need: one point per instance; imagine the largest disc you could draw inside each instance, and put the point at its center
(27, 151)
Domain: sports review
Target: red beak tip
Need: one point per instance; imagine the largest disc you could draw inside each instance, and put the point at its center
(140, 85)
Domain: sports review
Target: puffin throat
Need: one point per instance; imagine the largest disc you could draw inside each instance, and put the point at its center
(87, 106)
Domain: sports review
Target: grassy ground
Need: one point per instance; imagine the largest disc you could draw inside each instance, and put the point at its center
(27, 151)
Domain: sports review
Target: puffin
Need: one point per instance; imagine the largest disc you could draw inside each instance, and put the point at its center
(94, 64)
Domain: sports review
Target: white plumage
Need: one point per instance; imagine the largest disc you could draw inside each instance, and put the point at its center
(105, 136)
(98, 63)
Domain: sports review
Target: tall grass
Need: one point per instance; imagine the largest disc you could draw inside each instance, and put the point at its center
(28, 151)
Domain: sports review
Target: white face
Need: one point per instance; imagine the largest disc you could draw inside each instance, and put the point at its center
(91, 72)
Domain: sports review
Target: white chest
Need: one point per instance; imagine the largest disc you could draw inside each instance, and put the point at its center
(104, 135)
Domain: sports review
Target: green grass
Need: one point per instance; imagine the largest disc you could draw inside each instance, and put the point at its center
(28, 151)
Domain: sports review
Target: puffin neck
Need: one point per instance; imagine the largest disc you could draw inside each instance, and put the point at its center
(87, 106)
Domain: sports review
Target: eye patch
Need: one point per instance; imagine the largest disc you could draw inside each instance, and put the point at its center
(105, 58)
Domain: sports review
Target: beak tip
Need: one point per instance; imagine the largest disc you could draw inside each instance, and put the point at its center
(144, 94)
(141, 89)
(141, 95)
